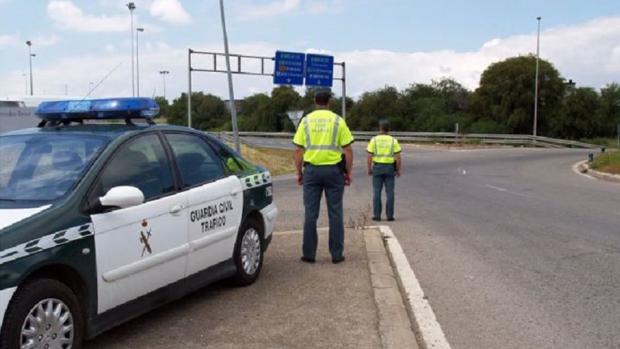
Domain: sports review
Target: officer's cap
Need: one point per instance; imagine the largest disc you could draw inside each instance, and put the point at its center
(323, 93)
(384, 124)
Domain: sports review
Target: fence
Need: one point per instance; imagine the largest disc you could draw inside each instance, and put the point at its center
(451, 137)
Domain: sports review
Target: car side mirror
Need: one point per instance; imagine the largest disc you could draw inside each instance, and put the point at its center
(122, 197)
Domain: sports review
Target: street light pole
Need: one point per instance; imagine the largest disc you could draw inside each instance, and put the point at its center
(163, 76)
(536, 80)
(30, 55)
(25, 83)
(138, 31)
(233, 109)
(131, 6)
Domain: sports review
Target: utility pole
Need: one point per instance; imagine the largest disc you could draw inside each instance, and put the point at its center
(131, 6)
(138, 31)
(233, 110)
(163, 76)
(30, 55)
(534, 133)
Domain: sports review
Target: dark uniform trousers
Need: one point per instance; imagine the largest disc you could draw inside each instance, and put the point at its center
(383, 174)
(316, 180)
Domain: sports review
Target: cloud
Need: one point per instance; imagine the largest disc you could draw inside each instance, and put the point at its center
(46, 40)
(68, 16)
(322, 7)
(7, 40)
(588, 53)
(170, 11)
(271, 9)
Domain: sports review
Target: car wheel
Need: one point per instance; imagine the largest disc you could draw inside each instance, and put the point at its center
(248, 253)
(44, 313)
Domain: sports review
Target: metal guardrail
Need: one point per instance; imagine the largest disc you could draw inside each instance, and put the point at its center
(451, 137)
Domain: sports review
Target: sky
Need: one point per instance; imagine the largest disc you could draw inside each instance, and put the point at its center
(84, 43)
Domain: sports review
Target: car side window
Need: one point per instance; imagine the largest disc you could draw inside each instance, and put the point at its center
(141, 163)
(197, 162)
(232, 161)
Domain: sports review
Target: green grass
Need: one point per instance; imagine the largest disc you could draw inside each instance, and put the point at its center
(606, 142)
(607, 162)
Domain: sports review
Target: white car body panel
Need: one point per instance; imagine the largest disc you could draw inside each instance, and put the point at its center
(125, 268)
(11, 216)
(215, 211)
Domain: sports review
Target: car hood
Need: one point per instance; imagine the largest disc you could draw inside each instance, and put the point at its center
(10, 216)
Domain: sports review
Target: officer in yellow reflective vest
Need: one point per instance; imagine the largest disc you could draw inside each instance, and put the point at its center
(384, 163)
(321, 139)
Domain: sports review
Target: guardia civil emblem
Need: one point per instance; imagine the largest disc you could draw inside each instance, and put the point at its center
(145, 235)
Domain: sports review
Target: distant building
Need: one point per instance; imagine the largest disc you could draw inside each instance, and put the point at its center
(15, 115)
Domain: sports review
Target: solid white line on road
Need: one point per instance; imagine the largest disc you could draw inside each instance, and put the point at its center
(504, 190)
(422, 314)
(496, 188)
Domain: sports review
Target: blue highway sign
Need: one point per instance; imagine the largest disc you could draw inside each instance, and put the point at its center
(289, 69)
(319, 70)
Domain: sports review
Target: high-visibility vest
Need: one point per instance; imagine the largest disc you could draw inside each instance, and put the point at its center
(321, 137)
(383, 150)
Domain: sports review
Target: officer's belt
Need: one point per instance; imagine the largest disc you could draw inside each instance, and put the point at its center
(306, 163)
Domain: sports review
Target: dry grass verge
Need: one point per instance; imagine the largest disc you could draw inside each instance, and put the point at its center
(277, 161)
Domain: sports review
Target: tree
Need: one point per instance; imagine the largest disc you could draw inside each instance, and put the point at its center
(208, 111)
(268, 113)
(435, 107)
(163, 106)
(610, 109)
(376, 105)
(580, 116)
(506, 94)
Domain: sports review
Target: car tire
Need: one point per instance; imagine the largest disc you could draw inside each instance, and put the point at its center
(248, 254)
(36, 297)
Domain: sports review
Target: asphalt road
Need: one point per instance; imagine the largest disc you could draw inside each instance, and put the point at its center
(512, 248)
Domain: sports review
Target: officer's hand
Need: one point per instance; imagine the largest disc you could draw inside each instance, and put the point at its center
(370, 172)
(300, 178)
(398, 173)
(347, 179)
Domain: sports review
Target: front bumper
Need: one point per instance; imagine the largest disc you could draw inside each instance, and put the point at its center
(5, 298)
(269, 213)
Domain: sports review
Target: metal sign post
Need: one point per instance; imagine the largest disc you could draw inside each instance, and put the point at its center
(238, 62)
(233, 109)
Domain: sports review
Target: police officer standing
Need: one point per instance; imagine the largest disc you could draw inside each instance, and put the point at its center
(384, 163)
(321, 138)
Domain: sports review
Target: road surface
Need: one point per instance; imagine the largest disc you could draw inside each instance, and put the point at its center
(512, 248)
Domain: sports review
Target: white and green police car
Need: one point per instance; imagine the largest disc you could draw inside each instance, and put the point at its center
(100, 223)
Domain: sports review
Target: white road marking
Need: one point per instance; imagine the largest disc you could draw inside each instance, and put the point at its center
(496, 188)
(504, 190)
(423, 316)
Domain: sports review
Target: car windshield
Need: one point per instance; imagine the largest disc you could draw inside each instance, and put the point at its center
(44, 167)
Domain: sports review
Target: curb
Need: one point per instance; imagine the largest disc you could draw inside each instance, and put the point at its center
(395, 327)
(583, 168)
(428, 330)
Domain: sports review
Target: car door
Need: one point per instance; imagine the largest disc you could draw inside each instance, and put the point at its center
(215, 201)
(141, 248)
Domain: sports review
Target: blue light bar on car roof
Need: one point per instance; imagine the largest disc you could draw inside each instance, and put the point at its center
(109, 108)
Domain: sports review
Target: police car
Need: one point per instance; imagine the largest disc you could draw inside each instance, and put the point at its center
(100, 223)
